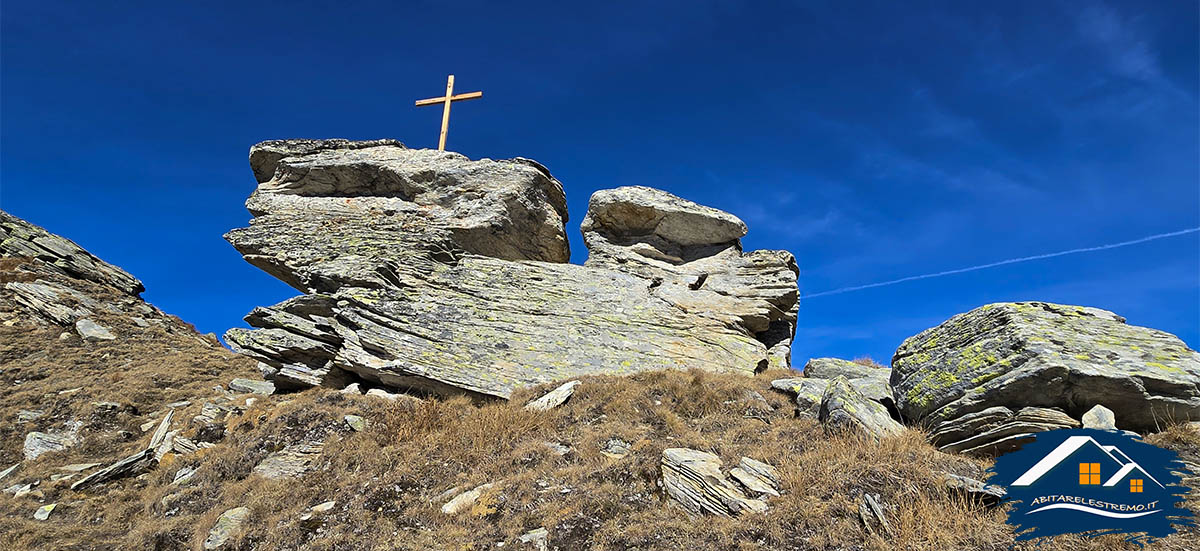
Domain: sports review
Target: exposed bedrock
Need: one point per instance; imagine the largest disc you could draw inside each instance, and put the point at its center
(429, 271)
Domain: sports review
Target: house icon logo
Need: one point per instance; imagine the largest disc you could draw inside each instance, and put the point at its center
(1093, 482)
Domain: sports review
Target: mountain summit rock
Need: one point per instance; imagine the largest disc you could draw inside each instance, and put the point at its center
(428, 271)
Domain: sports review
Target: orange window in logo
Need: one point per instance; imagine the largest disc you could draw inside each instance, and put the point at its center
(1089, 474)
(1135, 485)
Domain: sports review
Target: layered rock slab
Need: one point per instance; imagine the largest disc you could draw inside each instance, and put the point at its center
(1037, 354)
(683, 247)
(428, 271)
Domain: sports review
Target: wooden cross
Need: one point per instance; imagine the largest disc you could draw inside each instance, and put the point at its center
(445, 101)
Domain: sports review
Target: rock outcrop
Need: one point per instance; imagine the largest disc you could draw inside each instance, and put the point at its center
(19, 238)
(427, 271)
(997, 430)
(843, 408)
(1036, 354)
(870, 382)
(693, 479)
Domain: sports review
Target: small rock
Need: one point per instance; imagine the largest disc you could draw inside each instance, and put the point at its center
(70, 391)
(26, 415)
(355, 422)
(554, 398)
(352, 388)
(228, 524)
(140, 322)
(558, 449)
(78, 467)
(65, 336)
(289, 462)
(315, 515)
(986, 494)
(44, 511)
(38, 443)
(756, 476)
(380, 393)
(465, 500)
(536, 538)
(1099, 417)
(252, 386)
(4, 474)
(693, 479)
(183, 475)
(92, 331)
(615, 448)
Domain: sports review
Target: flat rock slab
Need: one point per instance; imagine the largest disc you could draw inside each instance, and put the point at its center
(228, 525)
(251, 386)
(38, 443)
(93, 331)
(997, 430)
(1046, 355)
(290, 462)
(693, 480)
(554, 398)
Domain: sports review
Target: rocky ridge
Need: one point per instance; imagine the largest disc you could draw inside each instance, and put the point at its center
(433, 273)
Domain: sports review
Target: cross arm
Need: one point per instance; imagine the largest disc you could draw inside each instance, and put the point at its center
(441, 100)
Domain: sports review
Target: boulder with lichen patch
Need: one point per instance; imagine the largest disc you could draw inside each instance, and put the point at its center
(428, 271)
(845, 409)
(1036, 354)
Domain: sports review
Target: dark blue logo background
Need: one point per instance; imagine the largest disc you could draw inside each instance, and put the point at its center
(1103, 482)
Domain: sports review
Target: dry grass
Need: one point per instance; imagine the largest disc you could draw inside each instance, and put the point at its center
(869, 362)
(386, 480)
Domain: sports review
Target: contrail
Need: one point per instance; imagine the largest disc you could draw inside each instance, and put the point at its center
(1004, 262)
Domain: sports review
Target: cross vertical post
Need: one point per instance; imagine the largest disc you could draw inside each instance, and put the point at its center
(445, 102)
(446, 113)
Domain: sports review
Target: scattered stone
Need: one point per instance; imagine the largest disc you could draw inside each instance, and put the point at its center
(465, 500)
(843, 408)
(693, 479)
(179, 404)
(92, 331)
(1037, 354)
(183, 475)
(4, 474)
(757, 477)
(870, 508)
(355, 422)
(70, 391)
(26, 415)
(44, 511)
(1099, 417)
(554, 398)
(536, 538)
(78, 467)
(291, 461)
(615, 448)
(38, 443)
(315, 516)
(227, 526)
(140, 322)
(251, 386)
(558, 448)
(352, 388)
(135, 464)
(997, 430)
(980, 492)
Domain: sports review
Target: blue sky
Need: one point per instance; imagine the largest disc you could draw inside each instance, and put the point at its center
(873, 140)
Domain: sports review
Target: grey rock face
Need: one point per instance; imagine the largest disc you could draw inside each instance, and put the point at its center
(1046, 355)
(290, 462)
(844, 409)
(251, 386)
(688, 250)
(997, 430)
(693, 479)
(20, 238)
(428, 271)
(808, 393)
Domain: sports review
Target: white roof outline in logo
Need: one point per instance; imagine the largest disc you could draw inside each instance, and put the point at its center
(1070, 446)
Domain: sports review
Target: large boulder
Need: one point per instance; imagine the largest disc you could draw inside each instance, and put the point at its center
(844, 409)
(1024, 354)
(684, 247)
(428, 271)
